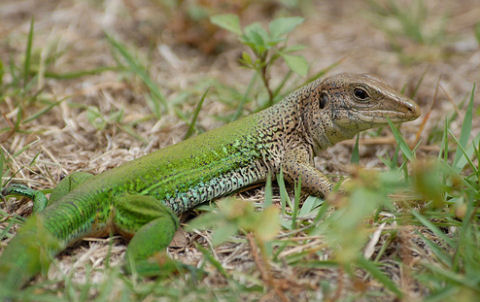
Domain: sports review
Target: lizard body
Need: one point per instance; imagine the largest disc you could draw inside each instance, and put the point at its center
(140, 199)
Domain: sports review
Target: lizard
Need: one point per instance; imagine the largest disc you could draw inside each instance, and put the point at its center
(141, 199)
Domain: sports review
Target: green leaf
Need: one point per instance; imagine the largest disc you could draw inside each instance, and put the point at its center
(95, 118)
(229, 22)
(282, 26)
(116, 116)
(293, 48)
(309, 206)
(268, 225)
(246, 59)
(223, 232)
(203, 222)
(297, 64)
(256, 38)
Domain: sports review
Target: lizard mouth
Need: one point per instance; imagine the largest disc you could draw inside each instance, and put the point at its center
(402, 111)
(381, 116)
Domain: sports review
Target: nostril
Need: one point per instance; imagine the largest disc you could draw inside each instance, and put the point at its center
(413, 109)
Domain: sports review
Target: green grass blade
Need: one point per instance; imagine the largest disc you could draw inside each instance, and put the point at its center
(379, 275)
(355, 158)
(80, 73)
(296, 202)
(322, 211)
(26, 147)
(444, 145)
(436, 250)
(210, 258)
(323, 71)
(268, 192)
(310, 206)
(468, 241)
(13, 70)
(433, 228)
(466, 129)
(409, 155)
(4, 233)
(466, 153)
(191, 128)
(2, 73)
(28, 55)
(419, 82)
(280, 86)
(284, 199)
(443, 294)
(2, 164)
(43, 111)
(130, 131)
(244, 99)
(139, 70)
(453, 277)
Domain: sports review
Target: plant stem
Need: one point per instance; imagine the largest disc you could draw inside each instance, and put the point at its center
(263, 74)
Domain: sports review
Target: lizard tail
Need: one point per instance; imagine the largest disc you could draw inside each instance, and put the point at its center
(28, 253)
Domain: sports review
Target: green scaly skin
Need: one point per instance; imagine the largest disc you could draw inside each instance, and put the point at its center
(141, 198)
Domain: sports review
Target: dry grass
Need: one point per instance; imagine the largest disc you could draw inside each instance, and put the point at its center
(63, 140)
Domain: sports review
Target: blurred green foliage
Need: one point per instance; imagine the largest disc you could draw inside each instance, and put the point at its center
(266, 46)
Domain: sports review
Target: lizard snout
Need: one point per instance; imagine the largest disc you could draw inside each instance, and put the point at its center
(411, 109)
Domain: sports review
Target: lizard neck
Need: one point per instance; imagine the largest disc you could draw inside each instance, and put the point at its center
(322, 131)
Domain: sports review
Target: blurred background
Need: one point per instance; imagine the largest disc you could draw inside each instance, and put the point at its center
(180, 48)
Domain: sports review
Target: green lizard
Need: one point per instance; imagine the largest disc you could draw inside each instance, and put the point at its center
(140, 199)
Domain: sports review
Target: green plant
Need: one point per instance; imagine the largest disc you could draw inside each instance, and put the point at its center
(266, 46)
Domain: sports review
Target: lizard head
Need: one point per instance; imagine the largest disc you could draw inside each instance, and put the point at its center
(349, 103)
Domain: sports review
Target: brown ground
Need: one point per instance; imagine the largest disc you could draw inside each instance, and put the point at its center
(180, 62)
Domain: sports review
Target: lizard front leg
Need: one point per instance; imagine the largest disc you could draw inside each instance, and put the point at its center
(298, 164)
(40, 201)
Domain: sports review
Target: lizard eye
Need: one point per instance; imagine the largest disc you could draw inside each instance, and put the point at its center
(360, 94)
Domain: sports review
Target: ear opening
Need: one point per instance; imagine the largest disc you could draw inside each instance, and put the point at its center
(323, 100)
